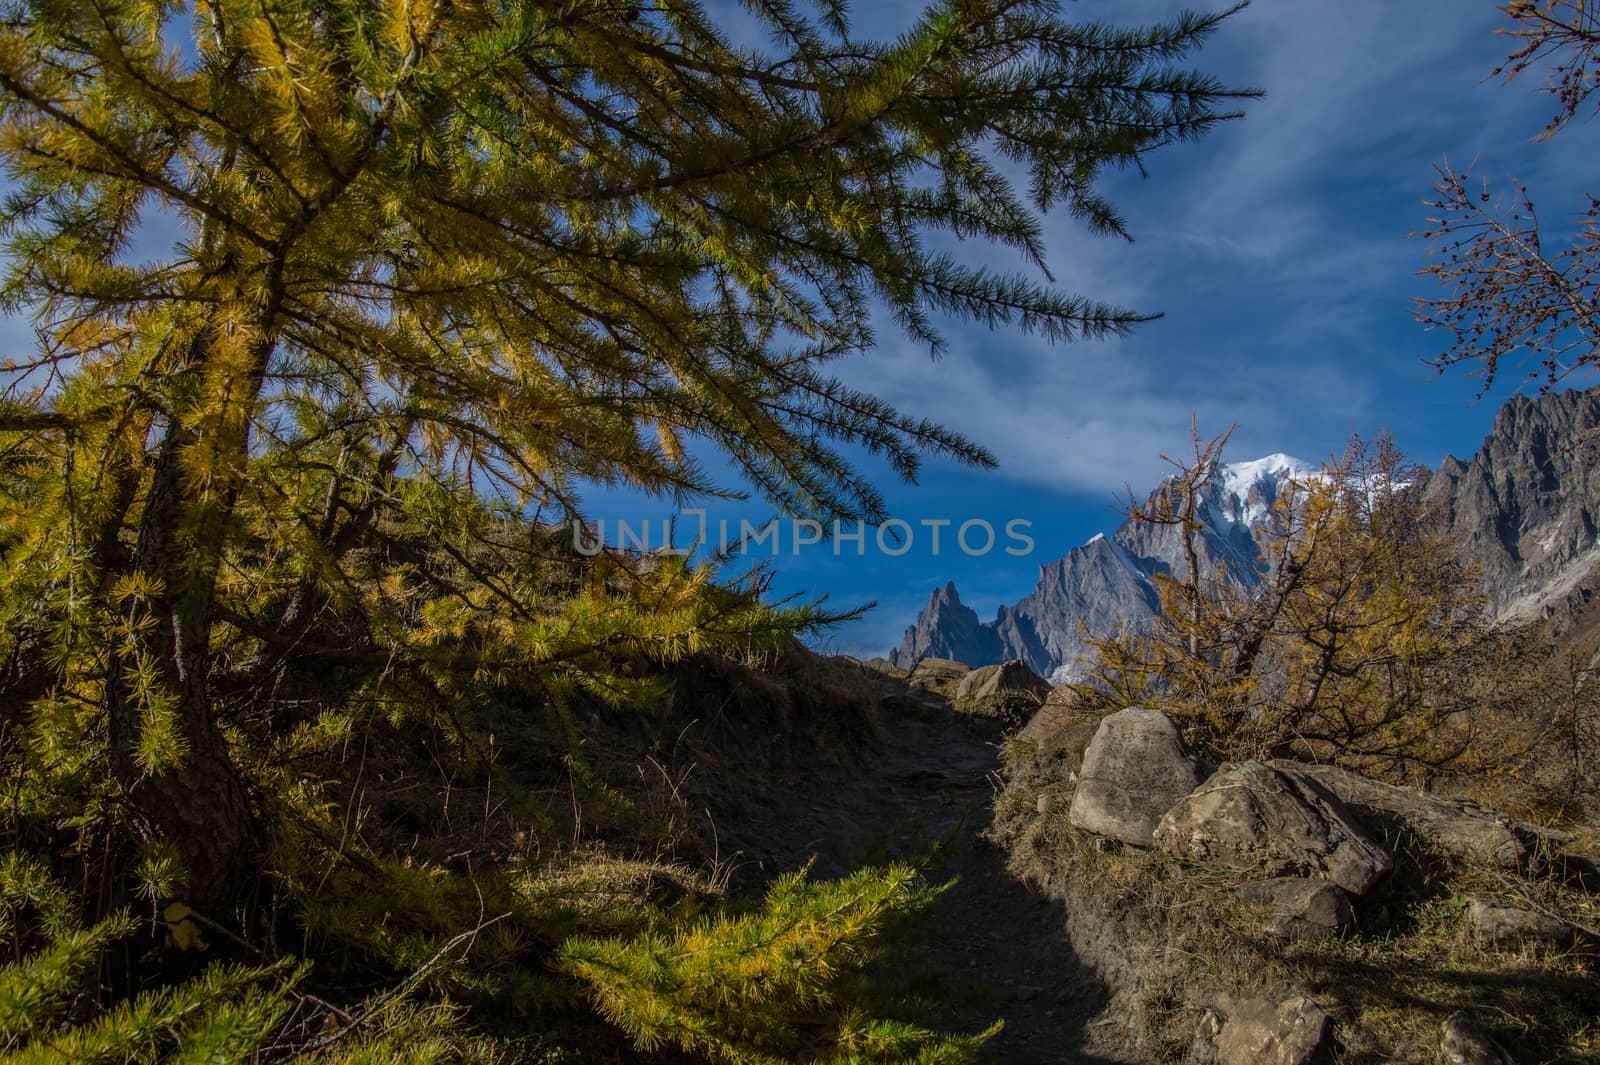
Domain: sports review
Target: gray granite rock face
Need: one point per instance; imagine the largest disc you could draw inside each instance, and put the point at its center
(1458, 826)
(946, 628)
(1526, 506)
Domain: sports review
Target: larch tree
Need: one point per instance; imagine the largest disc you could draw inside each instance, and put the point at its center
(1353, 646)
(424, 253)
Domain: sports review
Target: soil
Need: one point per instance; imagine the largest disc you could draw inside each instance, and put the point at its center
(990, 944)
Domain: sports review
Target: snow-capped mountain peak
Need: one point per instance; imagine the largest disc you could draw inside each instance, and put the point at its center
(1106, 581)
(1245, 491)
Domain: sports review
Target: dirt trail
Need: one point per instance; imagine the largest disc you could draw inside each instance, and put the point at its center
(994, 946)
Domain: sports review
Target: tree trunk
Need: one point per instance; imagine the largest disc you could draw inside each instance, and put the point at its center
(200, 807)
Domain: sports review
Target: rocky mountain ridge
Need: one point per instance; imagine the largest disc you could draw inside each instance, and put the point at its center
(1525, 507)
(1106, 582)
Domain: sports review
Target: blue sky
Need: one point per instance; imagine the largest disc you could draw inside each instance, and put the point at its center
(1277, 250)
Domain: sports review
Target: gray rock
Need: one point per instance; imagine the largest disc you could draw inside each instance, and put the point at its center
(973, 680)
(1301, 908)
(1462, 1041)
(1051, 745)
(946, 628)
(1526, 506)
(1272, 820)
(1050, 719)
(985, 687)
(1460, 827)
(1133, 770)
(1295, 1032)
(1501, 927)
(883, 665)
(938, 673)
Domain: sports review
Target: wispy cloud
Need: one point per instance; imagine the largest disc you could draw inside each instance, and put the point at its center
(1278, 247)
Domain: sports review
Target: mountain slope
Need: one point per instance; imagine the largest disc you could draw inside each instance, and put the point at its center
(1526, 506)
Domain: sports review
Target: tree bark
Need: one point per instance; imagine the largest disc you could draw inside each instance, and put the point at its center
(202, 807)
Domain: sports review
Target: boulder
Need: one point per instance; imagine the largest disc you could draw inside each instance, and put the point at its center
(1272, 820)
(1462, 1042)
(987, 683)
(1501, 927)
(1457, 826)
(1133, 770)
(1068, 698)
(1301, 908)
(1052, 750)
(972, 680)
(938, 673)
(1049, 720)
(1255, 1032)
(884, 666)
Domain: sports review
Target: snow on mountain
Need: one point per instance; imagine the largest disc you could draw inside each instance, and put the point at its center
(1106, 581)
(1247, 490)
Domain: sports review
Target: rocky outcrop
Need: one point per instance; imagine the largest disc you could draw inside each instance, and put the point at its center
(946, 628)
(1056, 712)
(1133, 770)
(1272, 820)
(1053, 743)
(938, 674)
(983, 688)
(1100, 584)
(1269, 853)
(1254, 1031)
(1526, 506)
(1456, 826)
(1501, 927)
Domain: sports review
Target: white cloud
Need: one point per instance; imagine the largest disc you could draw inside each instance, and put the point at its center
(1278, 246)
